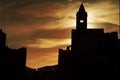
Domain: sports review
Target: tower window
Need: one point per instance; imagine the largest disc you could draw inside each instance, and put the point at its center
(81, 21)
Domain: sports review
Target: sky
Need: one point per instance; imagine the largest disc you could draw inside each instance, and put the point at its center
(44, 26)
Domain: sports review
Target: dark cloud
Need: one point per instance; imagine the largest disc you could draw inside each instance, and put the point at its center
(18, 4)
(26, 20)
(47, 50)
(96, 1)
(27, 12)
(18, 40)
(14, 13)
(53, 34)
(41, 34)
(71, 17)
(108, 15)
(115, 1)
(21, 3)
(108, 27)
(86, 1)
(13, 4)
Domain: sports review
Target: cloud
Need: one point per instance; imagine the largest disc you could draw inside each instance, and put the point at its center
(19, 38)
(26, 20)
(19, 4)
(26, 13)
(52, 34)
(108, 27)
(97, 1)
(41, 12)
(49, 43)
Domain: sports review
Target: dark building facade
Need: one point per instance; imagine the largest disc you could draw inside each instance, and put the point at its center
(48, 73)
(13, 61)
(93, 54)
(31, 74)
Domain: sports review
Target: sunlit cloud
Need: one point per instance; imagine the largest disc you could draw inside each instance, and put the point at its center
(49, 43)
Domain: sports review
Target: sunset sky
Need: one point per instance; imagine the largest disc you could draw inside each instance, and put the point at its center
(44, 26)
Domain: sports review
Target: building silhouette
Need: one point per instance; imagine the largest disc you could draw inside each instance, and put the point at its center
(31, 74)
(13, 61)
(92, 55)
(48, 73)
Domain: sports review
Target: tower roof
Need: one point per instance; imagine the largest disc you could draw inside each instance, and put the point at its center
(81, 9)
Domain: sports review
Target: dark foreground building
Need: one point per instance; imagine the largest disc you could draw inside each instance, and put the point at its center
(31, 74)
(12, 61)
(92, 55)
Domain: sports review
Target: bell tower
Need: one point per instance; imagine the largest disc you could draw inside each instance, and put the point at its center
(81, 22)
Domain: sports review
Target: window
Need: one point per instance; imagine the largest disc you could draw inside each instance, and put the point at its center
(81, 21)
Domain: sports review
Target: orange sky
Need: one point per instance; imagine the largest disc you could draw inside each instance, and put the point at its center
(44, 26)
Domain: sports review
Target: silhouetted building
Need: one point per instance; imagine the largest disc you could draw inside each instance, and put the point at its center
(13, 61)
(31, 74)
(93, 54)
(2, 38)
(48, 73)
(64, 57)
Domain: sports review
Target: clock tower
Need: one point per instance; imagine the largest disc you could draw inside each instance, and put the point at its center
(81, 22)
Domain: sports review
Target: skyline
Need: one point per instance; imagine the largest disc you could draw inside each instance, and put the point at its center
(34, 24)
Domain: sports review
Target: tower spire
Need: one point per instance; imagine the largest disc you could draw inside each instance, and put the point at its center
(81, 20)
(81, 9)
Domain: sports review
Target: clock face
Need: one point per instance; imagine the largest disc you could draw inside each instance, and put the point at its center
(81, 21)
